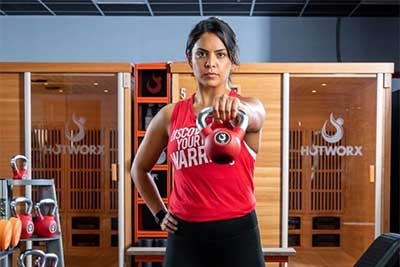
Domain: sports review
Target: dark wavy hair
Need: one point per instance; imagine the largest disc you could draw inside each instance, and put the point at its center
(218, 27)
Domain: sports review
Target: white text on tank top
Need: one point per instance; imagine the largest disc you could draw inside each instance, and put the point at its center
(190, 148)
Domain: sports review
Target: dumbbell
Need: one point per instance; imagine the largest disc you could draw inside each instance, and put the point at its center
(26, 217)
(39, 260)
(45, 225)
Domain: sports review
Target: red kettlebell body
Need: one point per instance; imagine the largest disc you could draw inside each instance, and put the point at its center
(19, 174)
(222, 145)
(27, 226)
(45, 225)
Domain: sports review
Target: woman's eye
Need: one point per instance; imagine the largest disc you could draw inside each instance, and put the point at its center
(221, 55)
(200, 54)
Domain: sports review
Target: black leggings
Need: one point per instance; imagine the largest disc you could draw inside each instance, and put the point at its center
(225, 243)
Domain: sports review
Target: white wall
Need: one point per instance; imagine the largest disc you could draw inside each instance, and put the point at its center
(150, 39)
(147, 39)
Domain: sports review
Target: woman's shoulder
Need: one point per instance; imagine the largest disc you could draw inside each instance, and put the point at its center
(172, 109)
(249, 99)
(167, 110)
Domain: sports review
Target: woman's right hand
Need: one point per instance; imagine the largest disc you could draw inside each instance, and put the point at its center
(169, 223)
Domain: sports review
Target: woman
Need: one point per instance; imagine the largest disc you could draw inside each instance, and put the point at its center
(211, 219)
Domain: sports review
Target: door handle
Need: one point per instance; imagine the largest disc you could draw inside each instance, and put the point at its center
(372, 173)
(114, 172)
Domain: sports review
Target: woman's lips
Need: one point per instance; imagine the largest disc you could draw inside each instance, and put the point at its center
(211, 75)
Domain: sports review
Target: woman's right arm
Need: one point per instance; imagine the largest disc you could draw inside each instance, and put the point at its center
(155, 140)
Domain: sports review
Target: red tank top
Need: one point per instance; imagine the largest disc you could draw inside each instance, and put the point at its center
(203, 190)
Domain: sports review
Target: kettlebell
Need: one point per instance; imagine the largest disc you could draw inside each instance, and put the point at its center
(222, 145)
(51, 260)
(26, 217)
(39, 254)
(19, 173)
(45, 225)
(5, 234)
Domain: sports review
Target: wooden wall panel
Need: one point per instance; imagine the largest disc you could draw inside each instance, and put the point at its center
(387, 146)
(357, 238)
(360, 191)
(267, 88)
(11, 119)
(182, 82)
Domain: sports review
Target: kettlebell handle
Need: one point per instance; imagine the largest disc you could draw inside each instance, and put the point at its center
(13, 205)
(204, 113)
(35, 252)
(51, 256)
(46, 201)
(19, 157)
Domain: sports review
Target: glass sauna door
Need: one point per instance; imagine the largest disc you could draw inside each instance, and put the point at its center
(74, 142)
(332, 154)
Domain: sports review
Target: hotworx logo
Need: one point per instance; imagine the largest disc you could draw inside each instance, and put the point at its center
(79, 122)
(222, 138)
(332, 139)
(73, 138)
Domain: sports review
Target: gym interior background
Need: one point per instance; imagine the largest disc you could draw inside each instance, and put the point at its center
(111, 44)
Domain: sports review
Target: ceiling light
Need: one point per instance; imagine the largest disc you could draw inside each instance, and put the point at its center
(120, 2)
(323, 84)
(313, 91)
(60, 91)
(105, 91)
(95, 84)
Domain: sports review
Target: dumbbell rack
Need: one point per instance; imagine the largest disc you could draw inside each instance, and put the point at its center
(46, 189)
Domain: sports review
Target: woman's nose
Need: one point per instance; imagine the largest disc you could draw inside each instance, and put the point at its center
(211, 61)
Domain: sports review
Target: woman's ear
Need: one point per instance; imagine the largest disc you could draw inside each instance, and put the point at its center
(189, 62)
(234, 67)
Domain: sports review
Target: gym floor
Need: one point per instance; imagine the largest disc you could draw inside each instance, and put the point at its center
(321, 258)
(304, 258)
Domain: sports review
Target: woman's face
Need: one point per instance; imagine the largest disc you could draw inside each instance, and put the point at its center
(210, 61)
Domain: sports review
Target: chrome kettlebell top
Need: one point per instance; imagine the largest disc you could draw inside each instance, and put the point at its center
(19, 157)
(51, 257)
(46, 201)
(28, 206)
(204, 113)
(35, 252)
